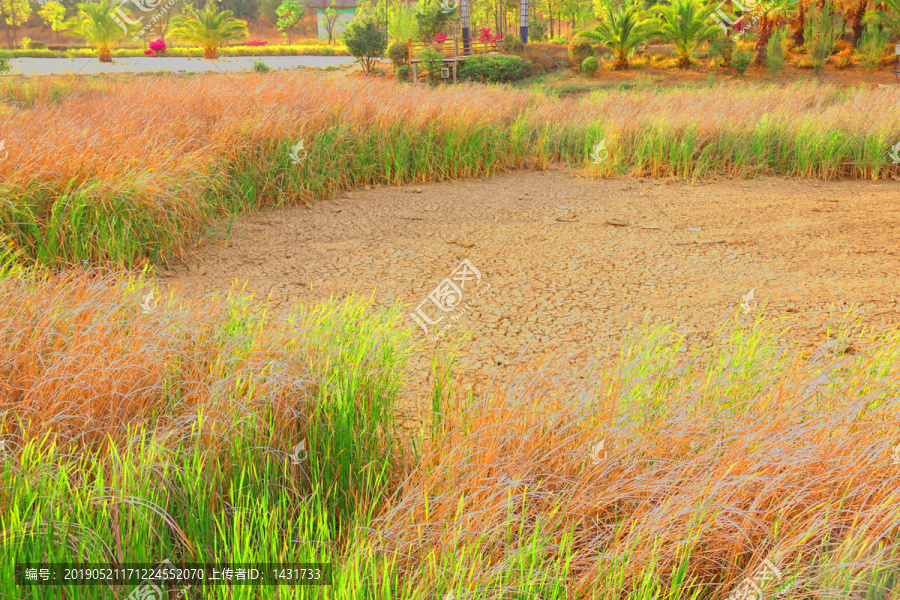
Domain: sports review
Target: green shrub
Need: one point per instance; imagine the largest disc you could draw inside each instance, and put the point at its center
(844, 58)
(494, 68)
(721, 49)
(404, 72)
(872, 47)
(365, 42)
(512, 44)
(579, 50)
(30, 44)
(537, 31)
(775, 52)
(261, 67)
(740, 61)
(5, 67)
(590, 65)
(821, 34)
(431, 61)
(399, 54)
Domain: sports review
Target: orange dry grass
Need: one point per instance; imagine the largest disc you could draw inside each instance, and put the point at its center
(80, 358)
(732, 474)
(173, 127)
(165, 144)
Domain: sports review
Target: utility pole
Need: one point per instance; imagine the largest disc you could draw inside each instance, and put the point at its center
(523, 20)
(466, 35)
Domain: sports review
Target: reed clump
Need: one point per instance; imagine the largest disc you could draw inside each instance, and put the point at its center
(128, 172)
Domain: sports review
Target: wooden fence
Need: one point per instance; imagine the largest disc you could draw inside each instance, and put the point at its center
(451, 51)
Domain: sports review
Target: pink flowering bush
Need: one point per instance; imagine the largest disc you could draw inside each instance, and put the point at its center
(157, 48)
(256, 43)
(439, 38)
(487, 36)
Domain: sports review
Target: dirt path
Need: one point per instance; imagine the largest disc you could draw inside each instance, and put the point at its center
(553, 270)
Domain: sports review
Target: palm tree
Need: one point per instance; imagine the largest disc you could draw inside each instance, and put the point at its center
(621, 30)
(686, 24)
(208, 29)
(771, 14)
(99, 26)
(887, 14)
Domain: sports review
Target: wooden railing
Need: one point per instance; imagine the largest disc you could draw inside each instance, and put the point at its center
(452, 48)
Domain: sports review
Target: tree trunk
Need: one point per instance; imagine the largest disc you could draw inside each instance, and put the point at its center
(550, 15)
(104, 54)
(211, 53)
(856, 17)
(762, 38)
(801, 20)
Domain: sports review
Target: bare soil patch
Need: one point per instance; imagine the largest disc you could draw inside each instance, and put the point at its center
(575, 264)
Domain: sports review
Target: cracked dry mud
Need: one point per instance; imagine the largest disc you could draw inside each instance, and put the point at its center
(574, 264)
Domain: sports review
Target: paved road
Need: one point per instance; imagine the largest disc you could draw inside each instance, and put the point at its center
(58, 66)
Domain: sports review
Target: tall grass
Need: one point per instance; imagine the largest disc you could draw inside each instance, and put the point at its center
(127, 172)
(747, 451)
(135, 436)
(174, 428)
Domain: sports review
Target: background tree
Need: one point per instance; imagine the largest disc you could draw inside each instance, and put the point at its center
(329, 17)
(165, 18)
(537, 30)
(577, 12)
(771, 14)
(54, 15)
(209, 29)
(685, 24)
(855, 11)
(267, 11)
(551, 8)
(621, 30)
(95, 24)
(245, 9)
(431, 18)
(887, 16)
(365, 42)
(403, 25)
(14, 14)
(290, 14)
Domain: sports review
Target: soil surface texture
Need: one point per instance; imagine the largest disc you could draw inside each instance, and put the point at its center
(558, 263)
